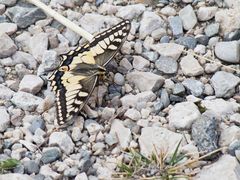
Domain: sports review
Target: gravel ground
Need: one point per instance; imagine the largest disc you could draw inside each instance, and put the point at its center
(161, 88)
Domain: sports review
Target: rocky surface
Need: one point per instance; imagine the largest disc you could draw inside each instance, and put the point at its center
(176, 78)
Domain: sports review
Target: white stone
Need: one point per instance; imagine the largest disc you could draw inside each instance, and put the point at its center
(182, 115)
(123, 134)
(161, 138)
(140, 63)
(206, 13)
(4, 119)
(31, 84)
(133, 114)
(8, 28)
(5, 93)
(63, 141)
(188, 17)
(130, 11)
(145, 81)
(15, 176)
(169, 50)
(47, 171)
(228, 135)
(81, 176)
(168, 11)
(92, 127)
(227, 167)
(190, 66)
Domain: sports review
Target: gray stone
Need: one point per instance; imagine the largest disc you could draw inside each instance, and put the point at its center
(202, 39)
(133, 114)
(166, 65)
(208, 90)
(212, 29)
(119, 79)
(140, 63)
(188, 42)
(232, 36)
(98, 148)
(228, 135)
(49, 60)
(31, 167)
(235, 118)
(111, 139)
(4, 119)
(63, 141)
(71, 172)
(228, 51)
(188, 17)
(65, 3)
(159, 138)
(165, 39)
(190, 66)
(28, 60)
(194, 86)
(38, 45)
(145, 81)
(224, 83)
(72, 37)
(8, 28)
(150, 22)
(164, 97)
(50, 155)
(8, 2)
(5, 93)
(92, 127)
(176, 26)
(126, 64)
(224, 168)
(14, 176)
(178, 89)
(168, 50)
(31, 84)
(76, 134)
(205, 133)
(7, 46)
(26, 101)
(48, 172)
(206, 13)
(168, 11)
(211, 68)
(130, 11)
(37, 123)
(123, 134)
(150, 55)
(182, 115)
(25, 15)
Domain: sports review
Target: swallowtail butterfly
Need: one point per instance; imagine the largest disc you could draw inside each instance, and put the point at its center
(75, 79)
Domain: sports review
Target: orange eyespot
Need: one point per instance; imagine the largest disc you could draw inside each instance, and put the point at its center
(64, 68)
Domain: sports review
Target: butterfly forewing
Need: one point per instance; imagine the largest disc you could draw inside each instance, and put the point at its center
(75, 79)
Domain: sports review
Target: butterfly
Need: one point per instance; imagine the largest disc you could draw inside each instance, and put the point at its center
(76, 77)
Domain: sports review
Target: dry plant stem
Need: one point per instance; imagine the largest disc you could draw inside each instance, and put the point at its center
(66, 22)
(212, 61)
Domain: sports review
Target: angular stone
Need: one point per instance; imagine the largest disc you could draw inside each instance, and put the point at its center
(224, 83)
(190, 66)
(8, 2)
(15, 176)
(31, 84)
(229, 135)
(194, 86)
(28, 60)
(166, 65)
(8, 28)
(7, 46)
(188, 42)
(26, 101)
(133, 114)
(50, 155)
(145, 81)
(169, 50)
(130, 11)
(176, 26)
(206, 13)
(188, 17)
(47, 171)
(140, 63)
(182, 115)
(212, 29)
(5, 93)
(159, 138)
(4, 119)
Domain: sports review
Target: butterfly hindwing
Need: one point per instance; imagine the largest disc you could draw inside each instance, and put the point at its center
(75, 79)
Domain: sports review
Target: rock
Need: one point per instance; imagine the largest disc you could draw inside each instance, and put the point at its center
(140, 63)
(202, 39)
(159, 138)
(194, 86)
(190, 66)
(8, 28)
(133, 100)
(26, 101)
(182, 115)
(108, 113)
(119, 79)
(166, 65)
(126, 64)
(220, 107)
(150, 22)
(63, 141)
(49, 60)
(111, 139)
(38, 45)
(25, 15)
(92, 127)
(98, 148)
(228, 51)
(228, 135)
(5, 93)
(106, 8)
(81, 176)
(15, 176)
(93, 23)
(164, 98)
(130, 11)
(178, 89)
(31, 84)
(65, 3)
(208, 90)
(25, 58)
(168, 11)
(37, 122)
(123, 134)
(72, 37)
(224, 83)
(7, 46)
(205, 133)
(228, 19)
(48, 172)
(31, 167)
(200, 49)
(235, 118)
(145, 81)
(223, 169)
(188, 17)
(211, 68)
(212, 29)
(71, 172)
(176, 26)
(169, 50)
(165, 39)
(151, 55)
(206, 13)
(188, 42)
(232, 36)
(4, 119)
(133, 114)
(234, 147)
(8, 2)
